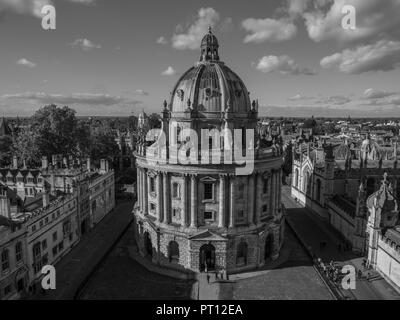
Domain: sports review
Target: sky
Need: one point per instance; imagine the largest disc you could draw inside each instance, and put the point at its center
(118, 57)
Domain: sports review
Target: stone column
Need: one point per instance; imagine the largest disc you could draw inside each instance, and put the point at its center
(138, 187)
(193, 202)
(184, 204)
(166, 198)
(232, 189)
(159, 197)
(221, 218)
(272, 192)
(250, 200)
(145, 192)
(258, 198)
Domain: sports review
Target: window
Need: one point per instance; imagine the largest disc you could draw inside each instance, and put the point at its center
(152, 207)
(173, 251)
(264, 208)
(18, 251)
(241, 214)
(45, 259)
(34, 228)
(176, 213)
(5, 261)
(55, 250)
(55, 236)
(36, 251)
(208, 216)
(241, 255)
(175, 190)
(265, 186)
(44, 244)
(208, 191)
(7, 290)
(61, 246)
(46, 220)
(241, 191)
(152, 185)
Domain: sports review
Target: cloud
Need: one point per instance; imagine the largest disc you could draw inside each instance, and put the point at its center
(85, 44)
(192, 37)
(75, 98)
(377, 94)
(141, 92)
(299, 97)
(162, 40)
(169, 71)
(84, 103)
(383, 55)
(32, 7)
(281, 64)
(26, 63)
(323, 20)
(262, 30)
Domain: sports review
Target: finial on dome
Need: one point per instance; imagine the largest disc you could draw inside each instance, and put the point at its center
(209, 29)
(209, 47)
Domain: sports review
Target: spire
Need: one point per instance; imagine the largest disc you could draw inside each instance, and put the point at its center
(209, 47)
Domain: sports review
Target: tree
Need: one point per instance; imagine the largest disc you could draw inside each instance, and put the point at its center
(5, 150)
(154, 121)
(25, 147)
(56, 129)
(102, 146)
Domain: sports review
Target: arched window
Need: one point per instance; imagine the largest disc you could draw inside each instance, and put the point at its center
(173, 251)
(241, 255)
(296, 178)
(176, 190)
(5, 261)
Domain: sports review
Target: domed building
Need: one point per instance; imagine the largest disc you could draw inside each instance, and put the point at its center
(203, 216)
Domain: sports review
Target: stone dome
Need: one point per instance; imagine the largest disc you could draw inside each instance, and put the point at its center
(210, 86)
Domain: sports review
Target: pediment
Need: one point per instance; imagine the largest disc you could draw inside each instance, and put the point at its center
(208, 179)
(207, 236)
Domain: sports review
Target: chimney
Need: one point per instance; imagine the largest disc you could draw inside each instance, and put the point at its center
(46, 199)
(5, 207)
(107, 166)
(24, 166)
(15, 162)
(88, 164)
(45, 163)
(102, 165)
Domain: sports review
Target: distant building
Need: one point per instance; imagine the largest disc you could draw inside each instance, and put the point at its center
(383, 233)
(335, 180)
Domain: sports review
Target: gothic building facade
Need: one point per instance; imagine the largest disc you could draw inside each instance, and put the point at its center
(336, 181)
(193, 216)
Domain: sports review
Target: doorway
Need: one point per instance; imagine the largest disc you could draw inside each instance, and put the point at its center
(207, 257)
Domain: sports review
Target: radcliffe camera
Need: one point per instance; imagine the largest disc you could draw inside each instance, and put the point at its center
(207, 157)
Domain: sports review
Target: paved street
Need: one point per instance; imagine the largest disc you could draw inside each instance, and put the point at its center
(121, 277)
(314, 230)
(292, 277)
(72, 270)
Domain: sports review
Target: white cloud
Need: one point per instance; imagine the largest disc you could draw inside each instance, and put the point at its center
(32, 7)
(169, 71)
(262, 30)
(162, 40)
(376, 94)
(85, 44)
(373, 17)
(26, 63)
(192, 37)
(281, 64)
(141, 92)
(74, 98)
(383, 55)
